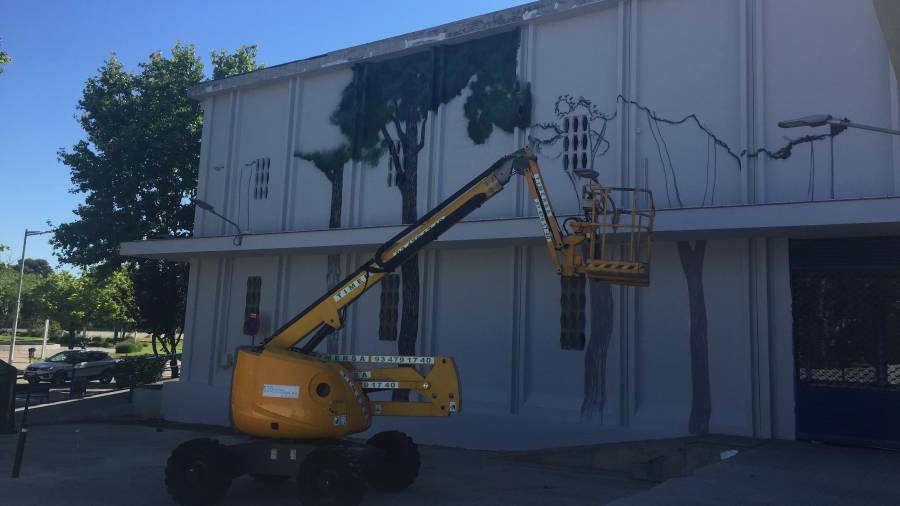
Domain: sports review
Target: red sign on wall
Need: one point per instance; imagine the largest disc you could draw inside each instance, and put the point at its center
(251, 324)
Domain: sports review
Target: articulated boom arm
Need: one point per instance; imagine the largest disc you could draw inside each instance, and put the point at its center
(279, 393)
(324, 316)
(583, 252)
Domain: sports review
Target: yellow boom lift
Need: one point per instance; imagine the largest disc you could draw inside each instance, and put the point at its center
(299, 403)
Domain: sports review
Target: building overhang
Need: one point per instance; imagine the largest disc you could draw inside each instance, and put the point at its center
(833, 218)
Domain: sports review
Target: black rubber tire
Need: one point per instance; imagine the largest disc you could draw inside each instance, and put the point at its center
(397, 466)
(199, 472)
(33, 381)
(59, 378)
(105, 378)
(270, 478)
(331, 476)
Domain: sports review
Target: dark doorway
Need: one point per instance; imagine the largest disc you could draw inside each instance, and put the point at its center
(846, 309)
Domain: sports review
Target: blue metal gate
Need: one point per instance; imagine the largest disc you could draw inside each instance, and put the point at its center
(846, 309)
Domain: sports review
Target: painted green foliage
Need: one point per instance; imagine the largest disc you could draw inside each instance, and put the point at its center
(385, 110)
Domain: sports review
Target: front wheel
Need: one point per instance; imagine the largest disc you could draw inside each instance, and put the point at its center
(33, 381)
(199, 472)
(105, 378)
(331, 476)
(398, 464)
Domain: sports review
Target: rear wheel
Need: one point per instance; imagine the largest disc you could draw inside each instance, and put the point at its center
(398, 464)
(199, 472)
(331, 476)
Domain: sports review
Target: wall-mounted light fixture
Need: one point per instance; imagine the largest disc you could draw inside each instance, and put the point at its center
(206, 206)
(837, 126)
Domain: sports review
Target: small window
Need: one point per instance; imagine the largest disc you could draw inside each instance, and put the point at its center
(254, 294)
(260, 178)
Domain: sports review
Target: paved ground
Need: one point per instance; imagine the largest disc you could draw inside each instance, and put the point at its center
(99, 464)
(70, 460)
(786, 473)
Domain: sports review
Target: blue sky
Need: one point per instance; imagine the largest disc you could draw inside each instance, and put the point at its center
(57, 45)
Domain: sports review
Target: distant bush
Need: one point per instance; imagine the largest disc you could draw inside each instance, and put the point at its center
(129, 347)
(132, 371)
(102, 342)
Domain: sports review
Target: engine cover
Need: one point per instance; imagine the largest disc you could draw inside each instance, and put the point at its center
(285, 394)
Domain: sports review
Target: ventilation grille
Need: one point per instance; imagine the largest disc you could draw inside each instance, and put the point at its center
(254, 294)
(572, 317)
(260, 178)
(576, 142)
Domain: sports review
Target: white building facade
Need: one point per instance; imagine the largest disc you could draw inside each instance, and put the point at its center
(488, 295)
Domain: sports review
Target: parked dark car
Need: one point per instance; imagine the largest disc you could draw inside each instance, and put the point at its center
(59, 368)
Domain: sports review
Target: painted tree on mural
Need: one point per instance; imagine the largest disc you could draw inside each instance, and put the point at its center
(331, 162)
(386, 108)
(691, 256)
(553, 134)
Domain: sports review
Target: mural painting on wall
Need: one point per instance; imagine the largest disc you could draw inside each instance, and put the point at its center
(331, 163)
(385, 110)
(570, 114)
(578, 136)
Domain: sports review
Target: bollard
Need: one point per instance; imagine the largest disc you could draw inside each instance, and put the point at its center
(23, 435)
(20, 451)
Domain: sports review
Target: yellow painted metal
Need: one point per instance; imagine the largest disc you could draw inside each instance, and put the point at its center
(263, 404)
(618, 234)
(276, 391)
(544, 207)
(327, 310)
(440, 387)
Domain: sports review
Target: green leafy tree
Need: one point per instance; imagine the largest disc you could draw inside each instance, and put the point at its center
(5, 59)
(241, 61)
(137, 169)
(385, 110)
(35, 266)
(62, 298)
(110, 299)
(9, 285)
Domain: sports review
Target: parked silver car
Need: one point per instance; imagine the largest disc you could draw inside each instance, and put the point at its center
(60, 368)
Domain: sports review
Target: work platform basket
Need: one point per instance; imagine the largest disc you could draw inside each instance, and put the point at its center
(618, 230)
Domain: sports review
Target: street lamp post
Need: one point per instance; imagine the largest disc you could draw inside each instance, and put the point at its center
(837, 126)
(15, 329)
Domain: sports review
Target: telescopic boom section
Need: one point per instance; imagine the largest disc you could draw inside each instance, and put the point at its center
(322, 317)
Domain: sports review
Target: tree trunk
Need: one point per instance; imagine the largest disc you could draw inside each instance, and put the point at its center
(409, 271)
(701, 404)
(171, 347)
(597, 350)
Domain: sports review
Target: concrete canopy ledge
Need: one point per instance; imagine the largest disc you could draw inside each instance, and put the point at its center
(835, 218)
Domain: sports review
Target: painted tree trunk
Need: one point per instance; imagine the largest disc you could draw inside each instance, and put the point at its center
(701, 404)
(597, 351)
(409, 271)
(333, 275)
(337, 196)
